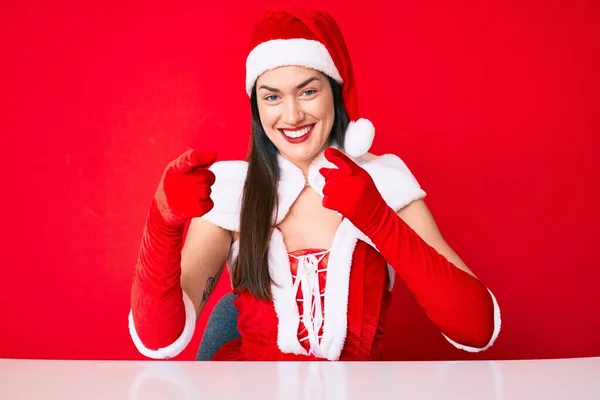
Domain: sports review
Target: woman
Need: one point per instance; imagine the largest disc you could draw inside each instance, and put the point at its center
(313, 228)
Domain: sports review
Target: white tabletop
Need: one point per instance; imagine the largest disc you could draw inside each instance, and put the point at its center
(577, 378)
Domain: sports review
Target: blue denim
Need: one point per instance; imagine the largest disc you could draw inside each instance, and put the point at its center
(220, 328)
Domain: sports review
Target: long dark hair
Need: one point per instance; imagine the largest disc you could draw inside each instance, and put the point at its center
(259, 200)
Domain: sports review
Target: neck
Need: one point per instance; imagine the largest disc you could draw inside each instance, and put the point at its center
(304, 165)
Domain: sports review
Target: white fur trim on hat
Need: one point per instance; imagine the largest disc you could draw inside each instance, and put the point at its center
(359, 137)
(281, 52)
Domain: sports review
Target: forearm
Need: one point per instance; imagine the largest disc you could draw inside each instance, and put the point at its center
(157, 305)
(163, 317)
(456, 301)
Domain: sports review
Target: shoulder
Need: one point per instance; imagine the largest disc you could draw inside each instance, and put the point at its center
(368, 157)
(394, 180)
(390, 161)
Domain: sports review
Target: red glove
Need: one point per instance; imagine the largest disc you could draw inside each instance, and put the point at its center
(157, 303)
(458, 303)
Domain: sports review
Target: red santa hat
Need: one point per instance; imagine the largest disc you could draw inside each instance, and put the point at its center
(312, 39)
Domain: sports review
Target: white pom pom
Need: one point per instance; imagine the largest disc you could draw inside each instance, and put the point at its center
(359, 137)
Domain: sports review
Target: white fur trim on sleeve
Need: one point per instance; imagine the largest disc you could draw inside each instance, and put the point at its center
(496, 332)
(178, 345)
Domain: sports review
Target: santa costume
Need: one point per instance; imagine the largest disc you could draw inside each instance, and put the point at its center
(327, 304)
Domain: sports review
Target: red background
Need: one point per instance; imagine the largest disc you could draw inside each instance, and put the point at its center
(493, 105)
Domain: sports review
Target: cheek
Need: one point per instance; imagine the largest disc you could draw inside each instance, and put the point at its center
(324, 111)
(268, 116)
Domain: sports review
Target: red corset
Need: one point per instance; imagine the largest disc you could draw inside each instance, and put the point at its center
(368, 302)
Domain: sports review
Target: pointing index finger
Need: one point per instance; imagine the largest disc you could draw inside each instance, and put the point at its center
(340, 160)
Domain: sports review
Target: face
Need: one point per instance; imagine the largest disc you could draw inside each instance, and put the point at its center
(296, 110)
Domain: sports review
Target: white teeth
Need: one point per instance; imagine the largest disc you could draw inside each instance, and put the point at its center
(298, 133)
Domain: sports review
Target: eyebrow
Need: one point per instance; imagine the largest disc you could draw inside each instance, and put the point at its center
(306, 82)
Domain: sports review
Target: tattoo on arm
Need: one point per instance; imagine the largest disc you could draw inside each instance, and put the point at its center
(210, 285)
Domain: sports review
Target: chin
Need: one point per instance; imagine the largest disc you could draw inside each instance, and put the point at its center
(304, 153)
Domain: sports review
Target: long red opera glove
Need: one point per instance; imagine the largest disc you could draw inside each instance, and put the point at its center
(157, 300)
(458, 303)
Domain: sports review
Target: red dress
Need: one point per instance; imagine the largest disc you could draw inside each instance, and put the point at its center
(368, 303)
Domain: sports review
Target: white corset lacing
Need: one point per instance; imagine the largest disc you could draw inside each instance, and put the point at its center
(307, 276)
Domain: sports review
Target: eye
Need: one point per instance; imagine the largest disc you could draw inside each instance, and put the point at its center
(271, 98)
(309, 92)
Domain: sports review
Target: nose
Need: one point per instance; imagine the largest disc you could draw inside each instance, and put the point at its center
(292, 112)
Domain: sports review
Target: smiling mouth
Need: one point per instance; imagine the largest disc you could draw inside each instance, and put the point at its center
(297, 133)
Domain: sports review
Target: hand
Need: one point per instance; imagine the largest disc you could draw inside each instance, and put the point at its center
(350, 190)
(185, 187)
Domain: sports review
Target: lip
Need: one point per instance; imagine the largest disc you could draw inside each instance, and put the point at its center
(300, 139)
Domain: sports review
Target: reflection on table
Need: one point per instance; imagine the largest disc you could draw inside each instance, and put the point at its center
(577, 378)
